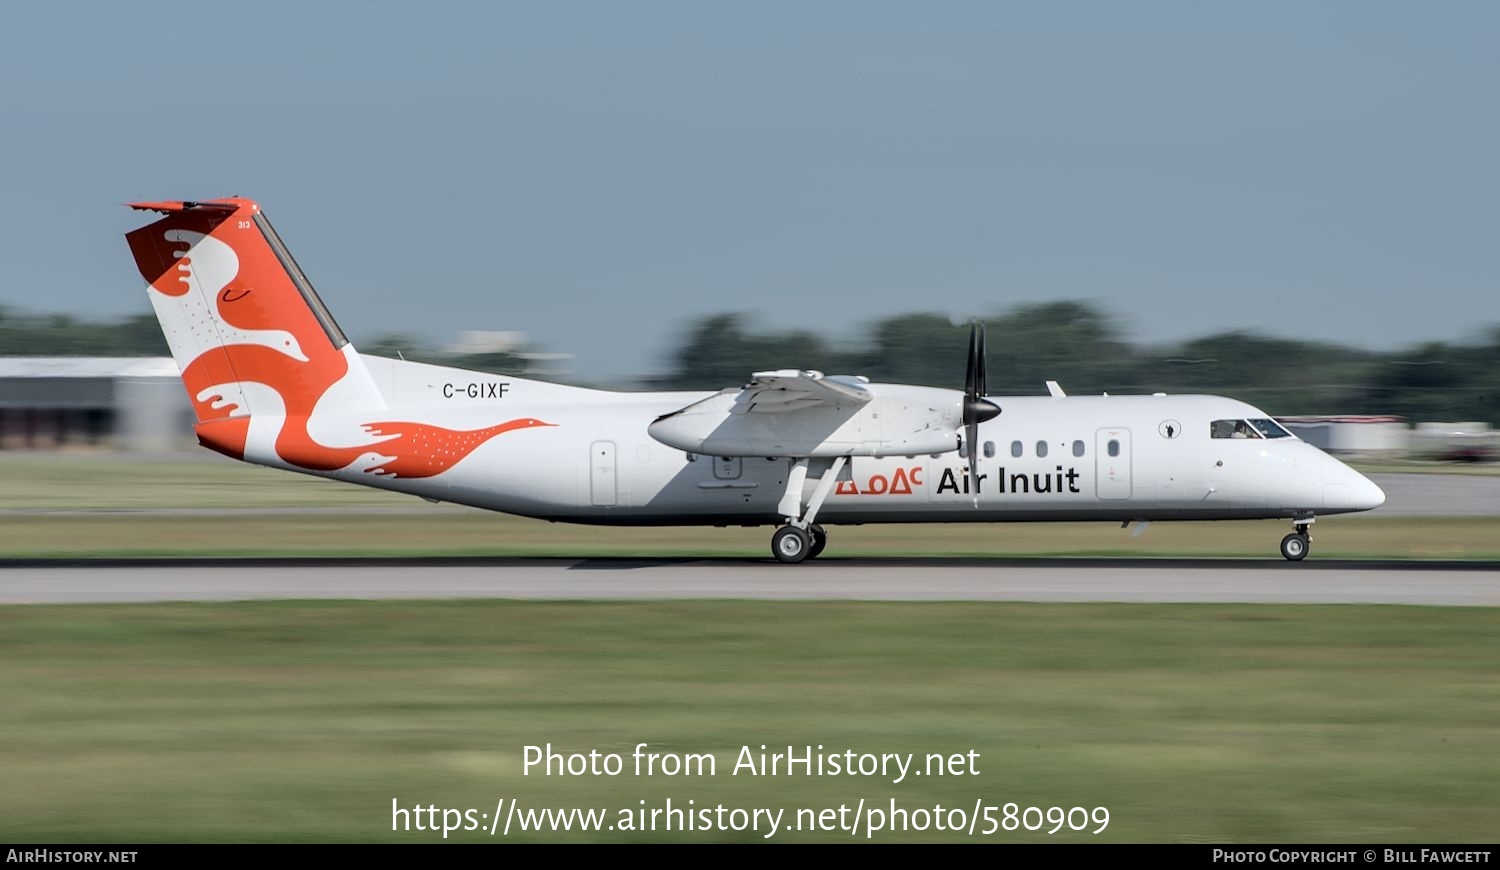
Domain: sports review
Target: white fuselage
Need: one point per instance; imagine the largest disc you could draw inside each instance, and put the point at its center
(1106, 458)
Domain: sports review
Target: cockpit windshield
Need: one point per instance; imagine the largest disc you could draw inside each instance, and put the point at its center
(1231, 429)
(1269, 428)
(1255, 428)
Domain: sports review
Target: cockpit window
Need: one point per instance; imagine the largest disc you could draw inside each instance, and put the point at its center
(1270, 428)
(1233, 429)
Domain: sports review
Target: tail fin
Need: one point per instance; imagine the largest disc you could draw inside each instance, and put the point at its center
(246, 328)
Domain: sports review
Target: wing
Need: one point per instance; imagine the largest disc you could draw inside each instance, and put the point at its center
(795, 390)
(782, 413)
(805, 413)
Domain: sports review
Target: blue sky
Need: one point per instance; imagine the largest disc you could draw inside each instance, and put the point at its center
(597, 174)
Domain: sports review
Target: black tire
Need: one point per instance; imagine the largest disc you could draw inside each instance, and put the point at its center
(1295, 546)
(791, 545)
(819, 541)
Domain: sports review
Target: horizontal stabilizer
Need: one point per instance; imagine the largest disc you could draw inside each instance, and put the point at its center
(169, 206)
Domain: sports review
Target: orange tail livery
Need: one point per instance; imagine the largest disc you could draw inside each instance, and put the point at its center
(271, 376)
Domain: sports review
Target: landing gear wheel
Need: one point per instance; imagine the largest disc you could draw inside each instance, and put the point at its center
(1295, 546)
(791, 545)
(819, 541)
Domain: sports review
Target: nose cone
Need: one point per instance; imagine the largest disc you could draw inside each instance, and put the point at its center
(1366, 496)
(1346, 490)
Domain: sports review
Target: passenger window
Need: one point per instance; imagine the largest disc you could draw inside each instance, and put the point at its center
(1077, 448)
(963, 449)
(1114, 448)
(1016, 449)
(1041, 449)
(989, 450)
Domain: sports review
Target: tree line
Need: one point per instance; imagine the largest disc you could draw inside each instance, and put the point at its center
(1074, 343)
(1082, 348)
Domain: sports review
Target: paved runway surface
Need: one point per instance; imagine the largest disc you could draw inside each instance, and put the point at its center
(1438, 495)
(1139, 580)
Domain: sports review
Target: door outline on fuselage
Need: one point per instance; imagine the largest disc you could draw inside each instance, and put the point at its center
(1112, 473)
(602, 465)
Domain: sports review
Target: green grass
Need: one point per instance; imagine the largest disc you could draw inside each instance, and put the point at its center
(296, 721)
(113, 481)
(453, 532)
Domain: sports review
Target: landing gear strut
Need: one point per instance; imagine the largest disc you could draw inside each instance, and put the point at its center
(1295, 546)
(802, 539)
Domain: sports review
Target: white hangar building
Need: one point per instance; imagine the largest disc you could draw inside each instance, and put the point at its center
(1371, 435)
(129, 403)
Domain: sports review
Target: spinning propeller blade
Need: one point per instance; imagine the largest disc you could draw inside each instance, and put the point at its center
(977, 408)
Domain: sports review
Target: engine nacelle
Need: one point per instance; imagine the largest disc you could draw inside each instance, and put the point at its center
(898, 420)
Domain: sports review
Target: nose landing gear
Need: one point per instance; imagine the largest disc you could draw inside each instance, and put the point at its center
(1295, 546)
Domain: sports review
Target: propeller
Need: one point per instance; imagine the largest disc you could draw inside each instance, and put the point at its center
(977, 408)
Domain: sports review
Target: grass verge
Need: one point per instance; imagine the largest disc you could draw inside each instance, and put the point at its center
(301, 721)
(451, 532)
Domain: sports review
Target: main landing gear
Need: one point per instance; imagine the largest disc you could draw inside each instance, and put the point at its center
(801, 538)
(793, 545)
(819, 539)
(1295, 546)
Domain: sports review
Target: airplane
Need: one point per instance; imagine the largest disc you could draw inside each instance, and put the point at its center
(274, 381)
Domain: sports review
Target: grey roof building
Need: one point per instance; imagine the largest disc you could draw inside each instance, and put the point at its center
(130, 403)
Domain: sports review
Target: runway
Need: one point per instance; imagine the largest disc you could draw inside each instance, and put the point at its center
(1438, 495)
(1061, 580)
